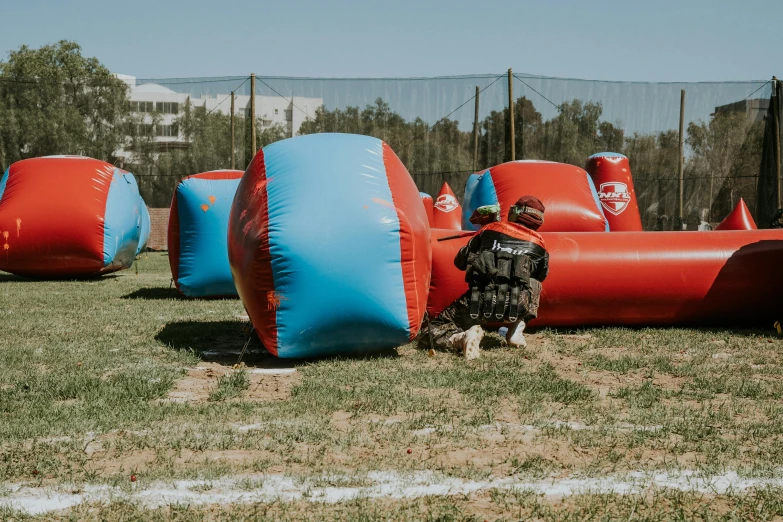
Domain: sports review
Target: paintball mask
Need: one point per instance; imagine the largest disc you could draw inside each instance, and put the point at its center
(485, 215)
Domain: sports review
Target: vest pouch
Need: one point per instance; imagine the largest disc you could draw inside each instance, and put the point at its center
(504, 266)
(522, 269)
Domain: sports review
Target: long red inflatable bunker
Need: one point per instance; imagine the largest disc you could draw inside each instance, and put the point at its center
(68, 216)
(329, 246)
(566, 190)
(643, 278)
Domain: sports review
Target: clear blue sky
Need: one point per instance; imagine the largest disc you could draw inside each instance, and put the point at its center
(655, 40)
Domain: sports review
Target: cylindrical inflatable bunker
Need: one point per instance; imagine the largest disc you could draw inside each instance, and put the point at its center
(198, 231)
(330, 247)
(645, 278)
(67, 216)
(447, 212)
(612, 177)
(428, 207)
(567, 193)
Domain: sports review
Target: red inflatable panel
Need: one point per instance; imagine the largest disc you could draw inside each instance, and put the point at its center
(447, 212)
(428, 206)
(738, 219)
(567, 192)
(612, 177)
(447, 282)
(644, 278)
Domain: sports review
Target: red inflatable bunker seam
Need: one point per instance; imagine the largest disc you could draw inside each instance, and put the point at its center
(415, 257)
(248, 251)
(39, 193)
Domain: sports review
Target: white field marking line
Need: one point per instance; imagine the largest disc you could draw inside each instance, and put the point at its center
(500, 426)
(379, 485)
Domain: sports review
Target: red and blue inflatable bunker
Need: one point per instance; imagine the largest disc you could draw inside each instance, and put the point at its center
(329, 245)
(198, 231)
(567, 192)
(68, 216)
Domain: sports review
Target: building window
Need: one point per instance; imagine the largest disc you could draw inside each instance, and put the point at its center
(141, 106)
(167, 107)
(166, 131)
(246, 113)
(142, 129)
(289, 114)
(275, 111)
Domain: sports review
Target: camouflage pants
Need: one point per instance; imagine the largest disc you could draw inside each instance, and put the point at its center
(456, 318)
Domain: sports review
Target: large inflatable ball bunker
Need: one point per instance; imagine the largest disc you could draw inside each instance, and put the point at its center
(329, 246)
(567, 192)
(67, 216)
(198, 228)
(612, 177)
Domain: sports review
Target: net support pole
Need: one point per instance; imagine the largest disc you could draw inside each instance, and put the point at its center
(476, 132)
(681, 158)
(233, 154)
(253, 113)
(511, 111)
(776, 125)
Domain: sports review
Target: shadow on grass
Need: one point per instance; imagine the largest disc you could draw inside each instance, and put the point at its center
(11, 278)
(155, 292)
(741, 331)
(222, 342)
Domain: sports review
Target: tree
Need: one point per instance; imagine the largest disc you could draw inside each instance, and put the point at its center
(726, 156)
(53, 100)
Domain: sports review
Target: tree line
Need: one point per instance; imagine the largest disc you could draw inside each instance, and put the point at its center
(53, 100)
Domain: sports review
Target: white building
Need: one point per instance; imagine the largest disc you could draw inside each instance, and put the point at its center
(149, 98)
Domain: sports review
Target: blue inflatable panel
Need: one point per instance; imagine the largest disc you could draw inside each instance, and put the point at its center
(479, 191)
(4, 182)
(144, 234)
(122, 221)
(198, 226)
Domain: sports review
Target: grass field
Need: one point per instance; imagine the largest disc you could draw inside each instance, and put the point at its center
(114, 378)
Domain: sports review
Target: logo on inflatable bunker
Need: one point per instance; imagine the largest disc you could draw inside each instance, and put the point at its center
(446, 203)
(614, 196)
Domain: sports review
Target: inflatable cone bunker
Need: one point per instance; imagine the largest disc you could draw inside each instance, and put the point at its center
(567, 193)
(329, 246)
(611, 175)
(738, 219)
(198, 228)
(447, 212)
(68, 216)
(428, 207)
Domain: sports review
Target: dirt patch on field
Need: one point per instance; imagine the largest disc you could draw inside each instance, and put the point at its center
(266, 384)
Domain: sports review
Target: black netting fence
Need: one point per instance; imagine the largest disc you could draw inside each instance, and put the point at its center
(164, 129)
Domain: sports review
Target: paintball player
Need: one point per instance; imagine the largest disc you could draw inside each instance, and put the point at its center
(504, 265)
(777, 219)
